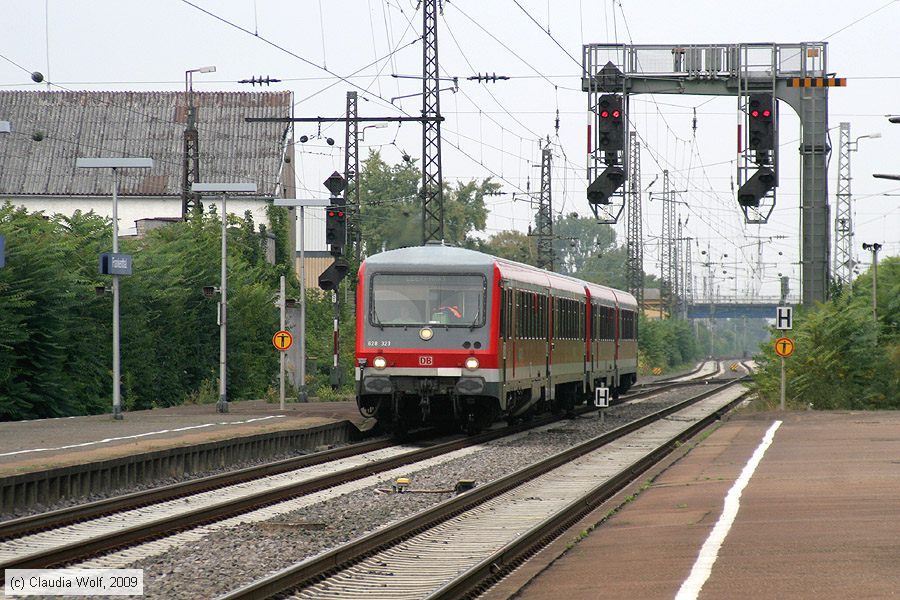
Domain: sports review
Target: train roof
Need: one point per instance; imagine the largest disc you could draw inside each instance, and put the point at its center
(457, 259)
(432, 255)
(602, 293)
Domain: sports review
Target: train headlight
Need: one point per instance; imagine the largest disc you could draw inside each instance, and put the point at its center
(472, 363)
(426, 333)
(379, 362)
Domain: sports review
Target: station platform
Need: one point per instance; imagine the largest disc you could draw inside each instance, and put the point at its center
(817, 518)
(27, 446)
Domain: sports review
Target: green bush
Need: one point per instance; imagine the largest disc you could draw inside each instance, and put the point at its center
(842, 358)
(55, 332)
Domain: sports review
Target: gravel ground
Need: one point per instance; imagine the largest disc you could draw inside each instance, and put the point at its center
(229, 558)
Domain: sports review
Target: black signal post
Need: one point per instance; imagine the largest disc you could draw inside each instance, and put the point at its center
(761, 112)
(610, 126)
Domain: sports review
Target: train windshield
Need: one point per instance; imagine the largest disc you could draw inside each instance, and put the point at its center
(427, 299)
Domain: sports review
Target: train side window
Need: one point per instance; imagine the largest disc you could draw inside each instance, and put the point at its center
(528, 315)
(503, 313)
(544, 317)
(573, 319)
(581, 309)
(562, 318)
(519, 314)
(511, 302)
(554, 310)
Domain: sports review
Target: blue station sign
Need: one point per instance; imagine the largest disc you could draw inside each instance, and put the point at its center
(115, 264)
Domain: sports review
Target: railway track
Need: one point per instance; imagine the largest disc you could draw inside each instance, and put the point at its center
(74, 534)
(463, 544)
(13, 528)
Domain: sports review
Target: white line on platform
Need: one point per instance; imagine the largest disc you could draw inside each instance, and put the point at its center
(702, 569)
(140, 435)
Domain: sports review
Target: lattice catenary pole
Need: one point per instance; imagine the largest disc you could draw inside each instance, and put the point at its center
(634, 235)
(432, 180)
(843, 215)
(544, 217)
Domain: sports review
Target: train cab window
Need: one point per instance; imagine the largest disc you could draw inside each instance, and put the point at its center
(402, 300)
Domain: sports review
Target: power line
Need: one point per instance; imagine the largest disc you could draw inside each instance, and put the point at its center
(547, 31)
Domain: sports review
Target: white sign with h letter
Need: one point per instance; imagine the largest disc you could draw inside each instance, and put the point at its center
(784, 317)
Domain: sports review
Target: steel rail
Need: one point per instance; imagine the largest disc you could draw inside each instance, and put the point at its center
(203, 515)
(496, 566)
(113, 540)
(324, 564)
(65, 516)
(14, 528)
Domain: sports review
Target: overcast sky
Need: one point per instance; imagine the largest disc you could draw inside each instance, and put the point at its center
(492, 129)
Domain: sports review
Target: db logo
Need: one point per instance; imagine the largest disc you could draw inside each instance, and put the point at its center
(426, 361)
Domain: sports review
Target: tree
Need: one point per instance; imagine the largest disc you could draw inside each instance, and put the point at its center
(55, 331)
(587, 250)
(512, 245)
(391, 208)
(49, 315)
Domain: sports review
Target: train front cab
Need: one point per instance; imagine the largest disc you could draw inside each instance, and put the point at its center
(427, 339)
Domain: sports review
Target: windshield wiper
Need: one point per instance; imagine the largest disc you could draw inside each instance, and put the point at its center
(375, 318)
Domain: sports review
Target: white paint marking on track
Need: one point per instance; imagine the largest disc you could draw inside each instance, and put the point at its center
(702, 569)
(140, 435)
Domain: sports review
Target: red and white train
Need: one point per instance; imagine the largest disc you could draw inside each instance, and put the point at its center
(445, 334)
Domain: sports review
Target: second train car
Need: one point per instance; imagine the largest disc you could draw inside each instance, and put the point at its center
(450, 335)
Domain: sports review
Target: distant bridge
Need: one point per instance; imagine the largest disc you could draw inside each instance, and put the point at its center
(730, 308)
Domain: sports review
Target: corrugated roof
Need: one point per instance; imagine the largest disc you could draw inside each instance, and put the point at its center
(126, 124)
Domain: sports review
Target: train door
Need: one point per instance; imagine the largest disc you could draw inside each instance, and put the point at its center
(509, 362)
(504, 333)
(544, 330)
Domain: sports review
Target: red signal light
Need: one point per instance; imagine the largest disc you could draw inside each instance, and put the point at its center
(754, 113)
(767, 113)
(330, 213)
(340, 214)
(616, 114)
(604, 114)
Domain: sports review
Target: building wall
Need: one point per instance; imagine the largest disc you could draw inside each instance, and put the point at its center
(316, 263)
(131, 208)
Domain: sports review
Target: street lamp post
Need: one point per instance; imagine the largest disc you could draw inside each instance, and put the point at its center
(189, 82)
(115, 164)
(223, 189)
(301, 204)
